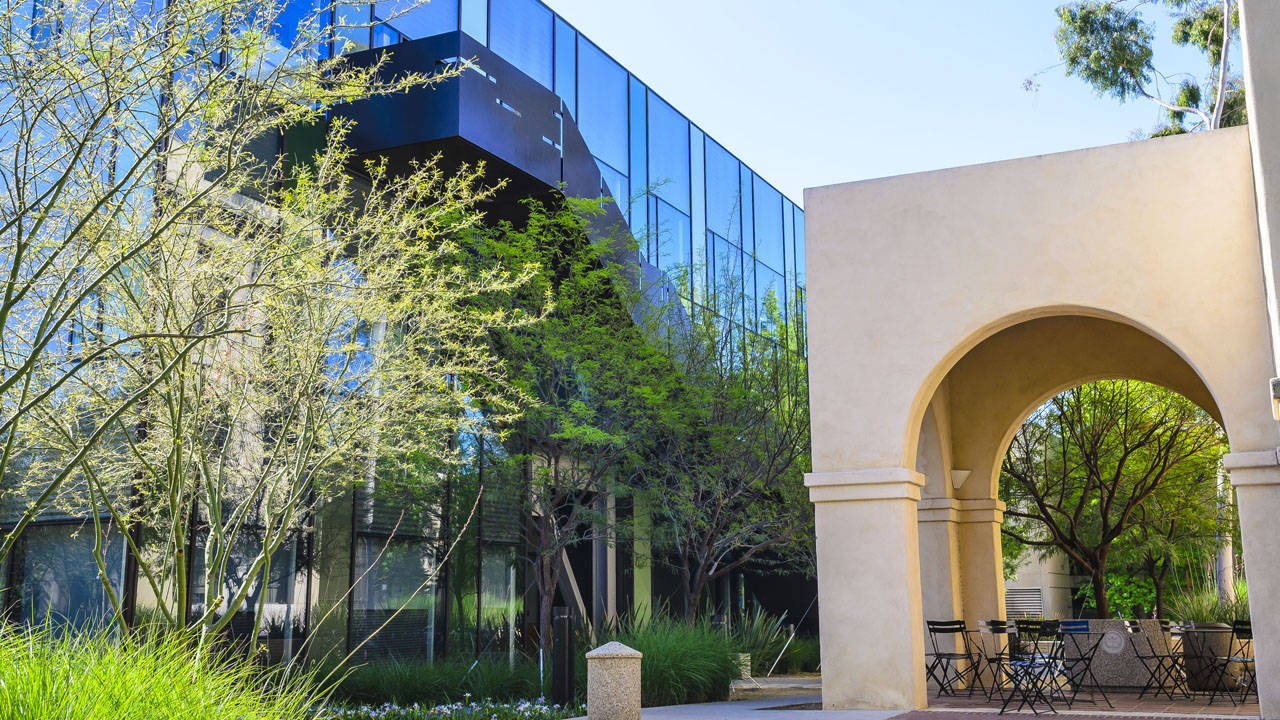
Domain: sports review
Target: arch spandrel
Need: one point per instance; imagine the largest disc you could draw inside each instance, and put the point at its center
(908, 274)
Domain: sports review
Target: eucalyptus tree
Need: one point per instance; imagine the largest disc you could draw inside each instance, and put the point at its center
(205, 337)
(1108, 44)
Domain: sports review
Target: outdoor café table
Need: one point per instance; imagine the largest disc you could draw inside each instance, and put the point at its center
(1081, 645)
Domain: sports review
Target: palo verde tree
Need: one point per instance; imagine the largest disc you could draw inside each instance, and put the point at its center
(600, 387)
(205, 337)
(1098, 462)
(1108, 44)
(1179, 526)
(729, 480)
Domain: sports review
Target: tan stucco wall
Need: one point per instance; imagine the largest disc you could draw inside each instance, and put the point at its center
(977, 293)
(907, 274)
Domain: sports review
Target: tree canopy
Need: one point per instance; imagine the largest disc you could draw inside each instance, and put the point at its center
(1109, 45)
(1110, 468)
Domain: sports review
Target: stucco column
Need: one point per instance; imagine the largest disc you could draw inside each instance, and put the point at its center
(940, 559)
(1259, 28)
(981, 559)
(1256, 478)
(872, 623)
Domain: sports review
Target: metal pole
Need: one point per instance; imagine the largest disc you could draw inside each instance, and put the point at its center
(561, 656)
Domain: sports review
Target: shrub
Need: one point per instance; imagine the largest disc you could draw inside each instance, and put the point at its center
(803, 656)
(1201, 603)
(682, 663)
(406, 682)
(102, 677)
(762, 635)
(482, 710)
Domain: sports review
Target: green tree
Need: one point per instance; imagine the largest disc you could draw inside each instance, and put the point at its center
(205, 337)
(1101, 461)
(730, 483)
(600, 387)
(1108, 44)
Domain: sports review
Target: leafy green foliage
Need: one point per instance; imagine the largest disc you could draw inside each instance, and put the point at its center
(601, 390)
(803, 656)
(1203, 603)
(763, 636)
(1115, 471)
(729, 480)
(1108, 44)
(105, 677)
(1126, 594)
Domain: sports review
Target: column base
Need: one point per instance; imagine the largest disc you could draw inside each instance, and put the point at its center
(872, 623)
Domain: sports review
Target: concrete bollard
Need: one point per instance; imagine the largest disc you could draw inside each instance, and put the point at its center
(613, 683)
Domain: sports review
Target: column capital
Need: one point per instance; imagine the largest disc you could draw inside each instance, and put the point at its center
(1253, 468)
(894, 483)
(960, 510)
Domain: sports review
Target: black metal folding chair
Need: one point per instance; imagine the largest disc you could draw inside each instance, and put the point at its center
(1035, 667)
(1080, 645)
(952, 659)
(1165, 674)
(1238, 663)
(993, 661)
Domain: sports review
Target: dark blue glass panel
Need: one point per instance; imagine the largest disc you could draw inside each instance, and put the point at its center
(727, 274)
(566, 85)
(602, 104)
(768, 225)
(520, 32)
(352, 29)
(789, 240)
(769, 291)
(384, 35)
(417, 19)
(723, 206)
(475, 19)
(668, 153)
(672, 232)
(615, 186)
(292, 16)
(698, 231)
(639, 152)
(800, 248)
(748, 214)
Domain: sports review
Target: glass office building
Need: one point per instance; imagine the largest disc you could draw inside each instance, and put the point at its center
(689, 201)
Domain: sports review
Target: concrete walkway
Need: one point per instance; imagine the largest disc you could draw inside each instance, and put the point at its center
(774, 708)
(804, 707)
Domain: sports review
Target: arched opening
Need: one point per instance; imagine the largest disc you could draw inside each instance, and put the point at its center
(976, 411)
(1114, 497)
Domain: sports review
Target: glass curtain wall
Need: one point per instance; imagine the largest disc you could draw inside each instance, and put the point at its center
(682, 192)
(52, 578)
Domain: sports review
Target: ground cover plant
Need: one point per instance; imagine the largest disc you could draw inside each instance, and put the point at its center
(107, 677)
(467, 710)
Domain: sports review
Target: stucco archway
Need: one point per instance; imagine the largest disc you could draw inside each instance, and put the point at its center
(944, 306)
(971, 419)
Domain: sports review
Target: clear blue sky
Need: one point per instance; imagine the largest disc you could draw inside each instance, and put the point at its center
(813, 92)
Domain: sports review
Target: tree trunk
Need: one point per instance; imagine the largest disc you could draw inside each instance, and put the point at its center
(1099, 580)
(686, 594)
(695, 600)
(546, 597)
